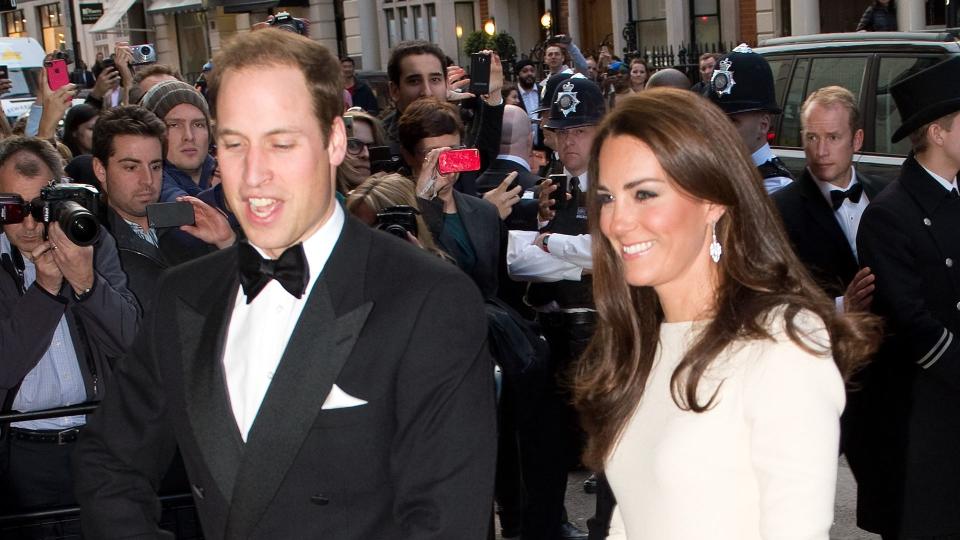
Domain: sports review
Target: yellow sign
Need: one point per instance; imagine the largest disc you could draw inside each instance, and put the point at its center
(11, 55)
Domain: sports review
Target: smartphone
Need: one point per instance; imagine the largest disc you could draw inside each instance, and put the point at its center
(170, 214)
(560, 195)
(455, 161)
(57, 75)
(108, 62)
(348, 125)
(479, 74)
(4, 72)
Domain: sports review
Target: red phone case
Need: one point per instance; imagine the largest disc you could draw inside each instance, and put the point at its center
(454, 161)
(57, 75)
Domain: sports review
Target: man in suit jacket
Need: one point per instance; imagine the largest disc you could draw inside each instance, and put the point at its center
(821, 212)
(516, 143)
(911, 419)
(317, 393)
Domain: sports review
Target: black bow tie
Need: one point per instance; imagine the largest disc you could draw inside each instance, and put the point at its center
(954, 194)
(838, 195)
(291, 271)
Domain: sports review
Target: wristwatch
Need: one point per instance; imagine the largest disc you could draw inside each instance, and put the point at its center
(82, 295)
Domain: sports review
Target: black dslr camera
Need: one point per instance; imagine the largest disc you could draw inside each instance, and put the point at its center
(73, 206)
(398, 220)
(285, 21)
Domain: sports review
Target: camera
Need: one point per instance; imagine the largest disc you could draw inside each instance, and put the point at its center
(398, 220)
(285, 21)
(143, 54)
(382, 160)
(73, 206)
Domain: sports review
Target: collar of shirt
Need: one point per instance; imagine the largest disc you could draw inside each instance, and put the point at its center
(762, 155)
(317, 248)
(149, 235)
(584, 179)
(827, 187)
(947, 184)
(518, 160)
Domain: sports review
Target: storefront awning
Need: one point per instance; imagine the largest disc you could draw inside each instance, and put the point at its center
(174, 6)
(246, 6)
(111, 16)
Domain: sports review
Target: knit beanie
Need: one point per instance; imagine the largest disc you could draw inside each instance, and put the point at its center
(168, 94)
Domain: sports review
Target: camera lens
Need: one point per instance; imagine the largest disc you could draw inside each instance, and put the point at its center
(80, 226)
(396, 230)
(145, 50)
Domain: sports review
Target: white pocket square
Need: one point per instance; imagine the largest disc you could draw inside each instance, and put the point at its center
(338, 399)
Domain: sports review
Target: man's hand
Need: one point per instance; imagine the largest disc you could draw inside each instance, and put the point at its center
(5, 86)
(494, 98)
(122, 57)
(859, 294)
(55, 104)
(75, 262)
(458, 82)
(209, 224)
(48, 273)
(430, 181)
(108, 79)
(504, 198)
(546, 211)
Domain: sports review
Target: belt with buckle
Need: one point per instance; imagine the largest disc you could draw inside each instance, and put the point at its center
(52, 436)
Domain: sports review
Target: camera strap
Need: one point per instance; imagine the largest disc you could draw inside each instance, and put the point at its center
(13, 264)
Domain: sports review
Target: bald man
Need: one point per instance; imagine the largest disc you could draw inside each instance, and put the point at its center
(669, 77)
(516, 143)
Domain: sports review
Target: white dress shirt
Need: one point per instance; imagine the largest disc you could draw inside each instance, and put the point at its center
(947, 184)
(849, 213)
(259, 331)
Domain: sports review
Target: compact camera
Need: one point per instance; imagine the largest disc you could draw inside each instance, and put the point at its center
(143, 54)
(398, 220)
(285, 21)
(74, 206)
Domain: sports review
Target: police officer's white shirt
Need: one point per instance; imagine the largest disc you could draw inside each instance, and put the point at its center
(761, 156)
(259, 331)
(569, 254)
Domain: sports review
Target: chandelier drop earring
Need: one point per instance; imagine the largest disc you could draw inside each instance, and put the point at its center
(715, 249)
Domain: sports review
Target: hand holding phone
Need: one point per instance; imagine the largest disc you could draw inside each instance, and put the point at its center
(170, 214)
(559, 195)
(57, 75)
(480, 73)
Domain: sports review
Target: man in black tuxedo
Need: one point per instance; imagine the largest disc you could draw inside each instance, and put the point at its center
(911, 421)
(821, 212)
(317, 392)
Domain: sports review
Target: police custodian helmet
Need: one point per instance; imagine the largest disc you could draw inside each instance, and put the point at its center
(578, 101)
(743, 82)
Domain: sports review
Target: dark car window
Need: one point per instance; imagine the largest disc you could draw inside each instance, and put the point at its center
(893, 69)
(781, 76)
(790, 127)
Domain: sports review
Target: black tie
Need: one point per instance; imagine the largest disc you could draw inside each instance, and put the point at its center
(291, 271)
(953, 194)
(838, 195)
(574, 186)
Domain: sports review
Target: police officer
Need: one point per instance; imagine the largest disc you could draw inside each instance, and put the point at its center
(742, 85)
(558, 265)
(910, 419)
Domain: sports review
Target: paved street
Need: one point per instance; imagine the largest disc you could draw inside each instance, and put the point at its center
(580, 506)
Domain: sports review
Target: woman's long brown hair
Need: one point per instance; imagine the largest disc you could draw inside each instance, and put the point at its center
(703, 156)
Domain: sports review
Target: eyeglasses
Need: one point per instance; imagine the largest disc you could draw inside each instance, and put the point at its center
(355, 146)
(13, 209)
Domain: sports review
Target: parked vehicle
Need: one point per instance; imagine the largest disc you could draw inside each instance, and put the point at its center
(866, 63)
(24, 60)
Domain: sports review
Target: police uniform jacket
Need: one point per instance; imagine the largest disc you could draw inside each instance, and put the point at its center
(908, 421)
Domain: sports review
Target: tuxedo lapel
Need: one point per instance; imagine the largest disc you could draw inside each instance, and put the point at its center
(203, 315)
(317, 350)
(822, 213)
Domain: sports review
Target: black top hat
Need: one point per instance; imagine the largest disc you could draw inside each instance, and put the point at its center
(742, 82)
(577, 102)
(923, 97)
(549, 88)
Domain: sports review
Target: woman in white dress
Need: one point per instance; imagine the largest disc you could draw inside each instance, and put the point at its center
(712, 390)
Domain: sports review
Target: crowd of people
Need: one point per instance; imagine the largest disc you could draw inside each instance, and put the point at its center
(664, 302)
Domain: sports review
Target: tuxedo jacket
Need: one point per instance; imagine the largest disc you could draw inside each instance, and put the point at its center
(816, 236)
(908, 416)
(389, 325)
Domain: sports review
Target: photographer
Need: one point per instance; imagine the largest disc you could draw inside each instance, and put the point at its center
(464, 226)
(65, 315)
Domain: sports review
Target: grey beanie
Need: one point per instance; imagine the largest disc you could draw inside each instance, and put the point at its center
(168, 94)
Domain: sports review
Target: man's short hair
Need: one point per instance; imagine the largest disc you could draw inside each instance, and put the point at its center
(830, 96)
(36, 147)
(427, 117)
(155, 69)
(410, 48)
(918, 137)
(273, 47)
(348, 59)
(127, 120)
(708, 55)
